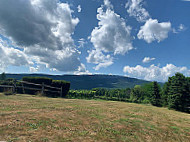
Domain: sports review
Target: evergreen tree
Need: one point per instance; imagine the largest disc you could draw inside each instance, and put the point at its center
(186, 97)
(3, 76)
(165, 91)
(188, 83)
(178, 94)
(155, 98)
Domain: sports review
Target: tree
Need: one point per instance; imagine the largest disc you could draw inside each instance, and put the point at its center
(164, 94)
(179, 93)
(3, 76)
(188, 83)
(155, 98)
(137, 94)
(147, 89)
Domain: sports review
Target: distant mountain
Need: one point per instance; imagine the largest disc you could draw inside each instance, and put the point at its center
(90, 81)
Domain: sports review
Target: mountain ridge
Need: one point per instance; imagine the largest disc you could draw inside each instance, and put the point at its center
(89, 81)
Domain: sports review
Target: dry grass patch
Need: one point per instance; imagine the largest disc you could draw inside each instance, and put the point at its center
(32, 118)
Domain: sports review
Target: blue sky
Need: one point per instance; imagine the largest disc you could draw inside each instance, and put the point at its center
(146, 39)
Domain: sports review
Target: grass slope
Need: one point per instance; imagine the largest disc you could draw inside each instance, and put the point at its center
(90, 81)
(32, 118)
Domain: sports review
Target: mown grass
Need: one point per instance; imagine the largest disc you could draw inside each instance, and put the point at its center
(41, 119)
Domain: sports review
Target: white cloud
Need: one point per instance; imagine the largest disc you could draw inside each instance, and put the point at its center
(103, 65)
(180, 28)
(82, 70)
(185, 0)
(154, 31)
(108, 4)
(11, 56)
(98, 58)
(34, 69)
(111, 36)
(148, 59)
(81, 42)
(155, 72)
(79, 8)
(135, 9)
(44, 28)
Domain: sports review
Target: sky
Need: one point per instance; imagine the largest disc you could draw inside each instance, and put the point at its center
(145, 39)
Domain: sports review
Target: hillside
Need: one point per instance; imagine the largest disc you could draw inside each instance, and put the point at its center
(32, 118)
(90, 81)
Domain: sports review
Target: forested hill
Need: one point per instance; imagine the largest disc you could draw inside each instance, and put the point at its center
(89, 81)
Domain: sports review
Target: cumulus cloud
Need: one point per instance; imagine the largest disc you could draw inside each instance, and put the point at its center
(108, 4)
(112, 33)
(82, 70)
(155, 72)
(152, 30)
(44, 29)
(34, 69)
(135, 9)
(11, 56)
(111, 36)
(148, 60)
(98, 58)
(79, 8)
(103, 65)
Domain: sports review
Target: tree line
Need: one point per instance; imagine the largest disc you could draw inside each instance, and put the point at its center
(174, 94)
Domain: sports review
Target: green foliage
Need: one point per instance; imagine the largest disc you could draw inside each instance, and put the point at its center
(164, 94)
(38, 80)
(8, 82)
(101, 93)
(47, 90)
(179, 93)
(137, 94)
(147, 89)
(155, 97)
(3, 76)
(37, 88)
(61, 83)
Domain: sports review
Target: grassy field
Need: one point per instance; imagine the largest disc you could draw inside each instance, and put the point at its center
(31, 118)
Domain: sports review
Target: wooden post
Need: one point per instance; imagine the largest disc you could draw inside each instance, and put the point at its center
(42, 88)
(61, 92)
(23, 89)
(14, 86)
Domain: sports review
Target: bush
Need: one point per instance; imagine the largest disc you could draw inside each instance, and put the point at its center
(48, 91)
(101, 93)
(35, 80)
(38, 80)
(61, 83)
(6, 82)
